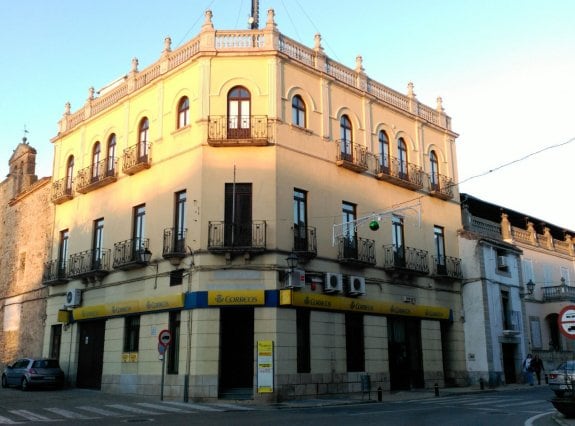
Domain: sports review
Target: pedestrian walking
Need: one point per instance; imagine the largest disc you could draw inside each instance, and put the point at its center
(537, 366)
(528, 369)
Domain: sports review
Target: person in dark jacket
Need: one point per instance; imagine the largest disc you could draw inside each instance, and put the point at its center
(537, 367)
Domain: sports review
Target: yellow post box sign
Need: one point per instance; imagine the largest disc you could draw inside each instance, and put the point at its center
(265, 366)
(236, 297)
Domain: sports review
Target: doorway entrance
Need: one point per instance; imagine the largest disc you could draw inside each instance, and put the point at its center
(508, 350)
(405, 356)
(90, 354)
(236, 379)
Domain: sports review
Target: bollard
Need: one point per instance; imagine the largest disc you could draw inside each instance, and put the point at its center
(481, 384)
(436, 388)
(379, 394)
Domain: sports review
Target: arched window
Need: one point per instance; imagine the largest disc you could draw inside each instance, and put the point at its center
(111, 163)
(434, 171)
(298, 111)
(402, 158)
(143, 140)
(183, 112)
(239, 100)
(95, 160)
(383, 152)
(69, 173)
(345, 135)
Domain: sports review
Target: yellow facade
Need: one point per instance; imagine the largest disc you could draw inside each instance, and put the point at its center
(261, 152)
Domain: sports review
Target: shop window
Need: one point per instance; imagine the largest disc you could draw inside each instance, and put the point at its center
(354, 345)
(174, 347)
(303, 341)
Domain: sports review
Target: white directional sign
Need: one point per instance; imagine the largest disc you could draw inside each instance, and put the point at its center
(566, 321)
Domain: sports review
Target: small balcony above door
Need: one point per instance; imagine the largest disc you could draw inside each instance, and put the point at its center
(130, 254)
(233, 130)
(405, 259)
(174, 245)
(352, 156)
(137, 158)
(55, 272)
(246, 237)
(447, 267)
(91, 264)
(356, 251)
(304, 242)
(97, 175)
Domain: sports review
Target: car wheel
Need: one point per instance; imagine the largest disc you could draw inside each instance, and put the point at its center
(25, 384)
(560, 393)
(4, 381)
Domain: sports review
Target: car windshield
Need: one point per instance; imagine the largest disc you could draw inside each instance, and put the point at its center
(46, 363)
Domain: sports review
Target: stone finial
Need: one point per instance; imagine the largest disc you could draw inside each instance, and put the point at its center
(167, 44)
(208, 25)
(410, 92)
(505, 227)
(134, 65)
(359, 64)
(67, 108)
(439, 106)
(317, 43)
(91, 93)
(270, 21)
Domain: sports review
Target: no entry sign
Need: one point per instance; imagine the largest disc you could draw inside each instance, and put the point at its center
(165, 337)
(566, 321)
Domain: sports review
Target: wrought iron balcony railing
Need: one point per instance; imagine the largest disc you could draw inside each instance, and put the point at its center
(225, 237)
(137, 158)
(234, 130)
(62, 190)
(305, 241)
(352, 156)
(92, 264)
(441, 186)
(359, 251)
(401, 173)
(405, 259)
(174, 243)
(447, 266)
(102, 173)
(129, 254)
(55, 272)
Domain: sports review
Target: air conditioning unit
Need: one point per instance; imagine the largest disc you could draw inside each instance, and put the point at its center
(501, 262)
(356, 286)
(295, 279)
(73, 298)
(333, 283)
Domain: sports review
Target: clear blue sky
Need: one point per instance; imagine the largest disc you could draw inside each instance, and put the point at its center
(505, 70)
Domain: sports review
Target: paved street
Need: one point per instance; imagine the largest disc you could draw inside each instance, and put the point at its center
(514, 407)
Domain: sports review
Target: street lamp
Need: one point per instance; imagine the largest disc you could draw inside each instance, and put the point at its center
(530, 287)
(291, 261)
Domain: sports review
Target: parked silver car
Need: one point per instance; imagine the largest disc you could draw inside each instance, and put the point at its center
(562, 378)
(32, 372)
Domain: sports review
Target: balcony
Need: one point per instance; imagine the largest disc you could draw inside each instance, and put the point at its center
(356, 251)
(405, 259)
(129, 254)
(232, 130)
(174, 248)
(90, 264)
(137, 159)
(511, 323)
(304, 242)
(226, 237)
(55, 273)
(441, 186)
(62, 191)
(558, 293)
(447, 267)
(96, 176)
(352, 156)
(400, 173)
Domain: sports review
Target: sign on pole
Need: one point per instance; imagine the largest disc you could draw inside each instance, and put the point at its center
(165, 337)
(566, 321)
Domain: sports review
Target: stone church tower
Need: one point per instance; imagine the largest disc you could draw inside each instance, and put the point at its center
(26, 216)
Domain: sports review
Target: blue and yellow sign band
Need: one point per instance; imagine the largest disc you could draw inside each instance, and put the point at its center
(289, 297)
(127, 307)
(236, 297)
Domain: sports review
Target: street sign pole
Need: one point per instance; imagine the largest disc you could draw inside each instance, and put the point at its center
(164, 340)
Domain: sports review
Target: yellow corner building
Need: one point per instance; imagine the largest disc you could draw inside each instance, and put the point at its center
(277, 224)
